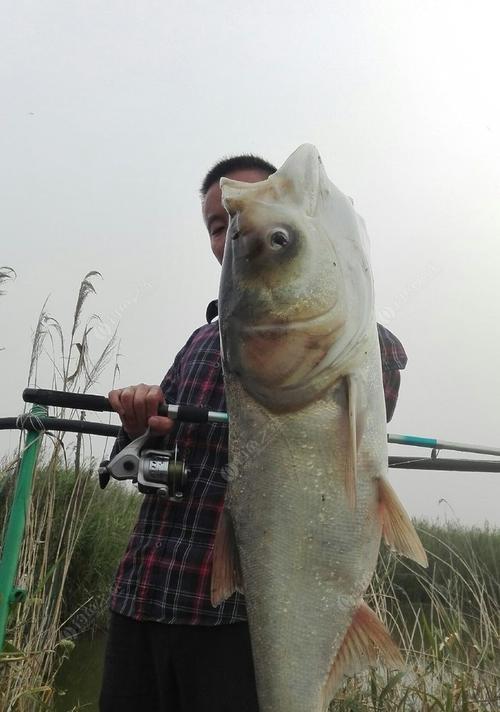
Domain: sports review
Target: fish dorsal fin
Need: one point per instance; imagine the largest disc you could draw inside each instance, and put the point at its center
(226, 569)
(352, 446)
(398, 531)
(299, 182)
(366, 640)
(303, 177)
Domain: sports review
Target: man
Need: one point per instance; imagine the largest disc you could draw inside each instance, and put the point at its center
(169, 649)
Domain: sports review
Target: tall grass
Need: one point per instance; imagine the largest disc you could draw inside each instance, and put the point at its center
(6, 273)
(106, 529)
(35, 646)
(446, 619)
(447, 622)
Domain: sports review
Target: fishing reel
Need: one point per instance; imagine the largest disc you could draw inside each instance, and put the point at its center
(154, 471)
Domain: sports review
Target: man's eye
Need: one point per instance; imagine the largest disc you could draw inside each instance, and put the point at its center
(217, 230)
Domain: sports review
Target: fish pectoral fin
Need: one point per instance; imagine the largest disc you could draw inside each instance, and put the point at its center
(351, 469)
(226, 569)
(398, 531)
(367, 640)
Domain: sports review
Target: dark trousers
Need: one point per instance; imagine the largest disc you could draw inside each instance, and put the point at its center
(156, 667)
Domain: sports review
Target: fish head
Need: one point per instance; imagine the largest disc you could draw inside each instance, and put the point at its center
(296, 289)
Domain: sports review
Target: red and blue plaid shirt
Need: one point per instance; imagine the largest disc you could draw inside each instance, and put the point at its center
(165, 572)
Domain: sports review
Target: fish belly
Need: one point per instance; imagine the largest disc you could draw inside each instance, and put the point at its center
(306, 556)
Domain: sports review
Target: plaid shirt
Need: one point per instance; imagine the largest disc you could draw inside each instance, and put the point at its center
(166, 570)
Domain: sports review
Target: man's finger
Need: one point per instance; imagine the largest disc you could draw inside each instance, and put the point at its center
(115, 401)
(140, 414)
(154, 398)
(160, 425)
(127, 402)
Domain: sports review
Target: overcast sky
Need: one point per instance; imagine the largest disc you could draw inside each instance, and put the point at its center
(112, 112)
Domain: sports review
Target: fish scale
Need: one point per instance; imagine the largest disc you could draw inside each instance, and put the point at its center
(313, 558)
(306, 509)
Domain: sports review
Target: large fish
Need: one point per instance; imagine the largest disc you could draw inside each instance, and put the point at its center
(307, 500)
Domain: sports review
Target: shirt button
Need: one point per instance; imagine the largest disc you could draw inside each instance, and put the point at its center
(158, 544)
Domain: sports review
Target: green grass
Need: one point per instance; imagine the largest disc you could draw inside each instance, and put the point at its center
(61, 529)
(108, 518)
(446, 619)
(462, 551)
(75, 537)
(111, 514)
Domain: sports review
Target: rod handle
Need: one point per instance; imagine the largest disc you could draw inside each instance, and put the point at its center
(86, 401)
(62, 399)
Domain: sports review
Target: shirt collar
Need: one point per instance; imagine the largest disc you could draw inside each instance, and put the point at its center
(212, 311)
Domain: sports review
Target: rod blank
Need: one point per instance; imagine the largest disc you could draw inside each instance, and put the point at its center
(42, 423)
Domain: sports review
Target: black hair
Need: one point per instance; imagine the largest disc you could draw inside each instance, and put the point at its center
(246, 161)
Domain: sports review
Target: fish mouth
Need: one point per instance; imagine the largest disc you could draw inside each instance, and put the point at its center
(323, 320)
(283, 354)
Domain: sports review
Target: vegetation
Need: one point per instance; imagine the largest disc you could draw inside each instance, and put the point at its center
(110, 517)
(446, 619)
(73, 554)
(37, 639)
(106, 522)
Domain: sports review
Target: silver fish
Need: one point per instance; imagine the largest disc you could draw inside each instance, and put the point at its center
(307, 501)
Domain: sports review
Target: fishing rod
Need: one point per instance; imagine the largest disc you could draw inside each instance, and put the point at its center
(48, 424)
(44, 423)
(193, 414)
(436, 444)
(155, 471)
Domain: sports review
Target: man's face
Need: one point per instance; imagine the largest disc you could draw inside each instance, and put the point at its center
(214, 215)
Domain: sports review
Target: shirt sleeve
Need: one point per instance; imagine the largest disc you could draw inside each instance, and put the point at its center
(171, 379)
(391, 380)
(394, 360)
(122, 440)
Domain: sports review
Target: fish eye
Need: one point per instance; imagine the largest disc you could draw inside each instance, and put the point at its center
(279, 239)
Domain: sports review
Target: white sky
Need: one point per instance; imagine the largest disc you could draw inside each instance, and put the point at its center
(111, 113)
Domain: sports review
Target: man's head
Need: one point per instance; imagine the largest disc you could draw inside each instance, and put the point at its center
(246, 168)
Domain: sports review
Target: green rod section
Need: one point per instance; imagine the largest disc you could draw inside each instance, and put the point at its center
(412, 440)
(17, 522)
(442, 444)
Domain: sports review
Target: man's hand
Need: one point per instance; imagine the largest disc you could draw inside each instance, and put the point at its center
(137, 407)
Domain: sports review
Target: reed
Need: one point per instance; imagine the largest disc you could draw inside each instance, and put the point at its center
(446, 619)
(35, 646)
(447, 622)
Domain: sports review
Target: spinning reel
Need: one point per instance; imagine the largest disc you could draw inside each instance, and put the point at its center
(154, 471)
